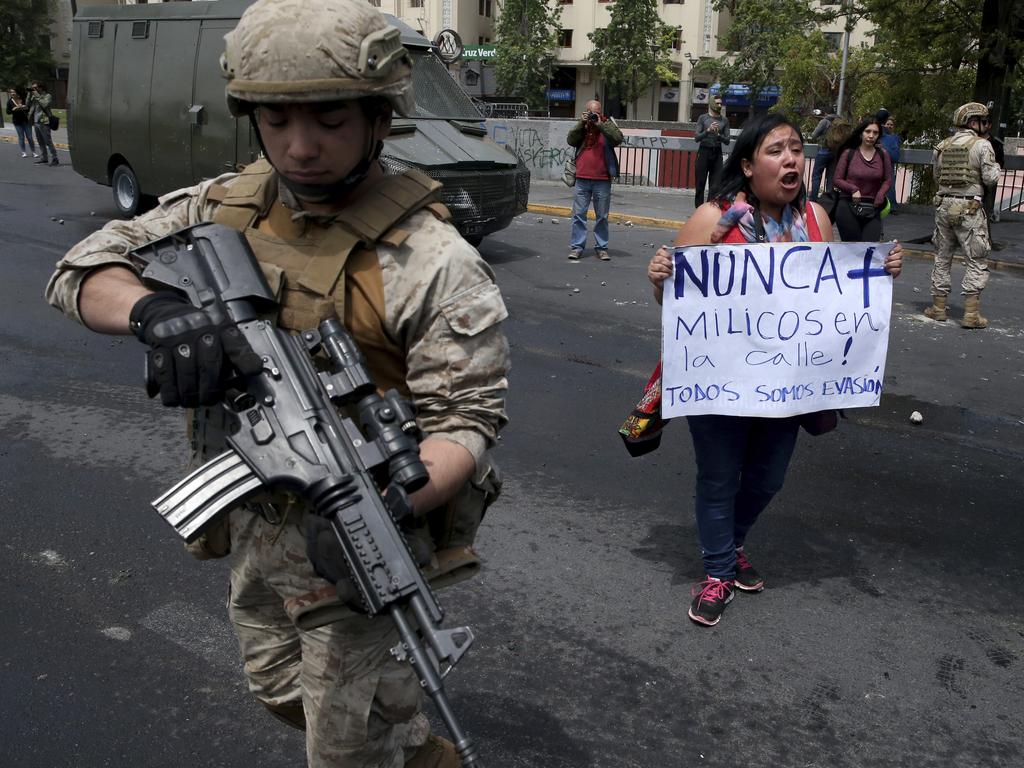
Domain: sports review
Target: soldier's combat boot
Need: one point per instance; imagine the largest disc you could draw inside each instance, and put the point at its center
(972, 313)
(435, 753)
(937, 311)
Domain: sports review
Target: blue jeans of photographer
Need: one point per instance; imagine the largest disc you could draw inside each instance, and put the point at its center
(741, 465)
(600, 192)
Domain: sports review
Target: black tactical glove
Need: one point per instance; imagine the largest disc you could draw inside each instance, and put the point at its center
(191, 357)
(324, 550)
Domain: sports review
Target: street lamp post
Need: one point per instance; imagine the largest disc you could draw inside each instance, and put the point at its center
(847, 4)
(688, 103)
(654, 84)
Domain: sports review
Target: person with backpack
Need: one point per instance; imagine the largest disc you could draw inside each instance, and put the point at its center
(863, 176)
(40, 116)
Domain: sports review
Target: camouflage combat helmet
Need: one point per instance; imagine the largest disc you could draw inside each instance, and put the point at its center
(964, 114)
(315, 50)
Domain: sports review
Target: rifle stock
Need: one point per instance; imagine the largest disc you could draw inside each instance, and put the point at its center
(290, 436)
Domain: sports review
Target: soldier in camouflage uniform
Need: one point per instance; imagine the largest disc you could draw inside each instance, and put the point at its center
(334, 236)
(964, 165)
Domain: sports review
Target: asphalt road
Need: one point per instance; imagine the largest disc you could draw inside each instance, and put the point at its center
(890, 633)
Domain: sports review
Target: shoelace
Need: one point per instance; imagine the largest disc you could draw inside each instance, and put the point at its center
(741, 560)
(712, 589)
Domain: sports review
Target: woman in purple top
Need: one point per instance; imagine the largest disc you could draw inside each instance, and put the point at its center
(863, 176)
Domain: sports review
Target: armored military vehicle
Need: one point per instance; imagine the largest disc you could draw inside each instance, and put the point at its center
(147, 115)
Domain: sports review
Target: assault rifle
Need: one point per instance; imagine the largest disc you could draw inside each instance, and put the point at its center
(289, 435)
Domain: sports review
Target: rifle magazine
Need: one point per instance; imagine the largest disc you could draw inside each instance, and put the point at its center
(215, 487)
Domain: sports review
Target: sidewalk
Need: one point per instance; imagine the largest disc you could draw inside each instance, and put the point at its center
(60, 136)
(668, 209)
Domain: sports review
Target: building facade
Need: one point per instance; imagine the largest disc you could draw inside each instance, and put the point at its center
(574, 81)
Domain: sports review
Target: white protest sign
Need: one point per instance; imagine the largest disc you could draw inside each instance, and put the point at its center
(774, 329)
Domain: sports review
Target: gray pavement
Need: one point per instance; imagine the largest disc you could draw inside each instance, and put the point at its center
(890, 633)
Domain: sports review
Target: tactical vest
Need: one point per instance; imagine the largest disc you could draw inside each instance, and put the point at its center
(954, 164)
(322, 270)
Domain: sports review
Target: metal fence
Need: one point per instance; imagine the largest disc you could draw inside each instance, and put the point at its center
(669, 162)
(502, 110)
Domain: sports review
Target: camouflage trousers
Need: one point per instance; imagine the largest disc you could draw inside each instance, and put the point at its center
(362, 707)
(960, 222)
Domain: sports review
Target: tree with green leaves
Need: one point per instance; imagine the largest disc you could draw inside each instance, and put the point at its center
(25, 53)
(759, 40)
(527, 37)
(810, 78)
(634, 51)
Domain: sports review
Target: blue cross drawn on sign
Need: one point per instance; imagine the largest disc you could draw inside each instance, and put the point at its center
(867, 273)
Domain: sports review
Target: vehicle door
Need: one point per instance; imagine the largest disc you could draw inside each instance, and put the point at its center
(171, 102)
(213, 128)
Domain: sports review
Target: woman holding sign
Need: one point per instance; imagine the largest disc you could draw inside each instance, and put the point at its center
(742, 461)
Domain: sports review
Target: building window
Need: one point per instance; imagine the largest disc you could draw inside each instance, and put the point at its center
(673, 2)
(565, 2)
(485, 8)
(834, 40)
(375, 3)
(677, 41)
(412, 3)
(565, 38)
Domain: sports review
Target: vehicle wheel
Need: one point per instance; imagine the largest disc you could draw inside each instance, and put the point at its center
(474, 240)
(127, 194)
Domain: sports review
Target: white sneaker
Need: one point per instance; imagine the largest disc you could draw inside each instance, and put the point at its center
(23, 154)
(35, 154)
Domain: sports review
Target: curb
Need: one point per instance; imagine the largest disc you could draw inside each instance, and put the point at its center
(913, 250)
(14, 140)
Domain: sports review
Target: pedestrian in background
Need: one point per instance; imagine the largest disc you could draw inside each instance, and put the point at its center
(890, 142)
(863, 176)
(742, 460)
(964, 165)
(40, 115)
(711, 135)
(594, 138)
(823, 160)
(18, 109)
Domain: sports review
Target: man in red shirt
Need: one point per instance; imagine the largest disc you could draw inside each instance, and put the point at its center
(594, 138)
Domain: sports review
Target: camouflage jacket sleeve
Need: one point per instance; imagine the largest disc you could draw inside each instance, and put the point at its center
(111, 245)
(444, 308)
(984, 156)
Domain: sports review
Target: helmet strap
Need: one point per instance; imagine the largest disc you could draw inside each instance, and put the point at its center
(323, 193)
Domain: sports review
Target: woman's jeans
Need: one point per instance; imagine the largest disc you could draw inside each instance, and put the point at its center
(25, 138)
(854, 229)
(600, 191)
(741, 465)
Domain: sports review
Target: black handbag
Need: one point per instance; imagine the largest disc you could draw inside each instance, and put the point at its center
(54, 122)
(863, 209)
